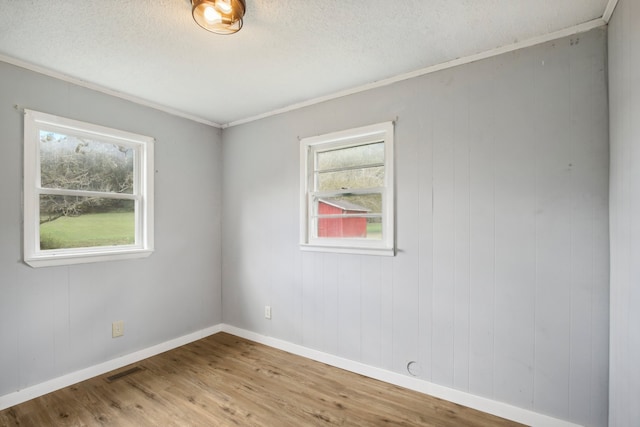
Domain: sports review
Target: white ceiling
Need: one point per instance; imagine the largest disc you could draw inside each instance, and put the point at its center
(288, 53)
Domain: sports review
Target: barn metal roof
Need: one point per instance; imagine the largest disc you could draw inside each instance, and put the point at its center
(344, 205)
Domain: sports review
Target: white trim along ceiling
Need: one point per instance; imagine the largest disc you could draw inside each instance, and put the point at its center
(268, 69)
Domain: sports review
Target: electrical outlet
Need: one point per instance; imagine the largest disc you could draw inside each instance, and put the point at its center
(117, 328)
(267, 312)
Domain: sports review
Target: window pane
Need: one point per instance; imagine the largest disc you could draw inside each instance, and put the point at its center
(73, 163)
(344, 216)
(351, 179)
(84, 222)
(360, 155)
(349, 228)
(349, 204)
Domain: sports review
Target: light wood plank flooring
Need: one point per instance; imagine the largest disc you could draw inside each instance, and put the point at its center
(223, 380)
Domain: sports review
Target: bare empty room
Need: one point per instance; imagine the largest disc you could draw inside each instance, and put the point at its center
(239, 212)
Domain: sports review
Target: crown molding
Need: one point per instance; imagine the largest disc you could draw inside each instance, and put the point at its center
(608, 11)
(577, 29)
(98, 88)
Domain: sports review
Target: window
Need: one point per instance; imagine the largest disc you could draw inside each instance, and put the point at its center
(88, 192)
(347, 201)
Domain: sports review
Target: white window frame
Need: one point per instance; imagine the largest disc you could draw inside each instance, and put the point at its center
(309, 147)
(142, 195)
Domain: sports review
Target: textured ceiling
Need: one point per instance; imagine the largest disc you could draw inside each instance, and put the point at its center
(288, 52)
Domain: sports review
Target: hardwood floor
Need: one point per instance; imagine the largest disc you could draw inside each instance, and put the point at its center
(223, 380)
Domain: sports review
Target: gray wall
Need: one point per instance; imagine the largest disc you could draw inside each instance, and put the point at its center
(57, 320)
(624, 104)
(500, 287)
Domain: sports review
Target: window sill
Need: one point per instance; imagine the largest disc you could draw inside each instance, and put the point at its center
(69, 259)
(348, 250)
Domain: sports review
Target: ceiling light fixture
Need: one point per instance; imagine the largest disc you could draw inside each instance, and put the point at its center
(219, 16)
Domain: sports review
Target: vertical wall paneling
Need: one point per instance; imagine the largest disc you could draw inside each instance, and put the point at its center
(386, 314)
(515, 195)
(462, 290)
(284, 266)
(311, 299)
(349, 306)
(405, 264)
(331, 294)
(589, 249)
(553, 220)
(499, 284)
(425, 232)
(624, 100)
(10, 356)
(35, 323)
(482, 215)
(10, 231)
(444, 234)
(582, 238)
(57, 320)
(370, 306)
(599, 213)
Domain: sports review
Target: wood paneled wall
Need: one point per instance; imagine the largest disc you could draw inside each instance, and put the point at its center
(624, 98)
(57, 320)
(500, 284)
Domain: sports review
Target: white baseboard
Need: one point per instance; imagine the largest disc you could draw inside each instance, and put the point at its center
(499, 409)
(66, 380)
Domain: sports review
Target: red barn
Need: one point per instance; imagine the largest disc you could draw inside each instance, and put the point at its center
(341, 227)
